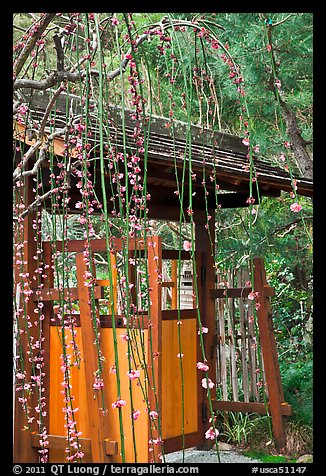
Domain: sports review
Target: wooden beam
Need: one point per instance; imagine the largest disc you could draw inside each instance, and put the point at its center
(222, 293)
(174, 254)
(238, 292)
(98, 423)
(106, 321)
(154, 345)
(175, 443)
(53, 294)
(175, 314)
(268, 346)
(248, 407)
(60, 442)
(205, 276)
(97, 245)
(57, 442)
(168, 284)
(174, 276)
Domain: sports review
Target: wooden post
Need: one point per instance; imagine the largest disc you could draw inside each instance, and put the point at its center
(205, 267)
(243, 331)
(252, 354)
(23, 451)
(154, 247)
(222, 349)
(232, 340)
(174, 279)
(268, 345)
(97, 421)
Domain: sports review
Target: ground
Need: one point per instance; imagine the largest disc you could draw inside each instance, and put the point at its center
(198, 456)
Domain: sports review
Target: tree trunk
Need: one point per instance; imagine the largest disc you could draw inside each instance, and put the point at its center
(298, 144)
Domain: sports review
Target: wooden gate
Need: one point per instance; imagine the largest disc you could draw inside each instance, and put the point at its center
(164, 349)
(100, 436)
(100, 439)
(246, 348)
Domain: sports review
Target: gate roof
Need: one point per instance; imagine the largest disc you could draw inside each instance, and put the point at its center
(217, 154)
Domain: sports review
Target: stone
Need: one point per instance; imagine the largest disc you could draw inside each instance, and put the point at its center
(305, 459)
(223, 446)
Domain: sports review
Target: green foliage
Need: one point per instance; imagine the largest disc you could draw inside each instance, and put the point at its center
(237, 427)
(298, 390)
(268, 458)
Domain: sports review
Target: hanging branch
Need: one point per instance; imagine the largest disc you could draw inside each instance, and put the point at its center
(19, 171)
(38, 29)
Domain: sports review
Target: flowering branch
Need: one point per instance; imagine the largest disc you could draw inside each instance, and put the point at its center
(37, 31)
(40, 199)
(47, 83)
(18, 172)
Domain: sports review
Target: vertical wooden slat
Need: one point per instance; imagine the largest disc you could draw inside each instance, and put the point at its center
(221, 322)
(132, 276)
(268, 345)
(154, 246)
(233, 363)
(251, 344)
(97, 421)
(174, 276)
(243, 331)
(205, 267)
(114, 274)
(165, 290)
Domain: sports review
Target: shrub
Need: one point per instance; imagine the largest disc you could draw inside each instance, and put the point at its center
(297, 380)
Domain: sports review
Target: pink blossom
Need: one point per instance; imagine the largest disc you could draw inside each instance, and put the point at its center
(179, 356)
(133, 374)
(245, 142)
(157, 441)
(211, 434)
(135, 414)
(190, 211)
(215, 45)
(187, 245)
(124, 337)
(202, 366)
(253, 295)
(119, 403)
(153, 415)
(295, 207)
(23, 109)
(210, 383)
(203, 329)
(250, 200)
(98, 384)
(278, 83)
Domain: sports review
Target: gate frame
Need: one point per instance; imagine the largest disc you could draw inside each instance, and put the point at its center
(276, 405)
